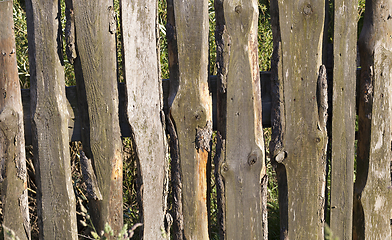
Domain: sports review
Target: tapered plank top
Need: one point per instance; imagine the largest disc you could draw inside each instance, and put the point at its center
(49, 116)
(144, 106)
(192, 112)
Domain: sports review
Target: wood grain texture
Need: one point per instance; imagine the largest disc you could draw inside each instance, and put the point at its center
(343, 121)
(192, 112)
(240, 122)
(144, 106)
(13, 173)
(299, 136)
(96, 76)
(49, 116)
(372, 194)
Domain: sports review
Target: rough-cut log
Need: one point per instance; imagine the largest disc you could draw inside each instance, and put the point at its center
(49, 116)
(372, 193)
(12, 145)
(192, 112)
(144, 106)
(241, 154)
(299, 117)
(343, 120)
(96, 76)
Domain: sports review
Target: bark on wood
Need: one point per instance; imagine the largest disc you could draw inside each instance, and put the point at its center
(49, 116)
(96, 73)
(13, 175)
(343, 121)
(144, 104)
(372, 194)
(191, 110)
(299, 136)
(240, 123)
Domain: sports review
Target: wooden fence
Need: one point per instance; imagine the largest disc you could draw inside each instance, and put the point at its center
(312, 115)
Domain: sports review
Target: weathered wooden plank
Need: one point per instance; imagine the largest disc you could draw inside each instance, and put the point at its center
(372, 194)
(240, 115)
(12, 145)
(96, 75)
(49, 116)
(299, 133)
(144, 106)
(192, 112)
(343, 121)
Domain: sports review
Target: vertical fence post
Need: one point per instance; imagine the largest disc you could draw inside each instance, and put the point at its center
(49, 115)
(372, 193)
(192, 113)
(343, 120)
(144, 106)
(96, 73)
(13, 174)
(240, 144)
(299, 132)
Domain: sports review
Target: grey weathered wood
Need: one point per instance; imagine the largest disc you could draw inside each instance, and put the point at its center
(244, 165)
(49, 116)
(372, 194)
(192, 112)
(144, 106)
(343, 121)
(96, 75)
(13, 174)
(299, 136)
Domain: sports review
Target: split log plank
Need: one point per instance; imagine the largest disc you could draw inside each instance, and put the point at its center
(144, 107)
(96, 75)
(13, 173)
(372, 194)
(243, 169)
(299, 134)
(191, 111)
(49, 117)
(343, 121)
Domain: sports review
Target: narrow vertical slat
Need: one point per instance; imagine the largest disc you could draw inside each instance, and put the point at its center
(13, 173)
(240, 120)
(372, 193)
(192, 113)
(49, 115)
(96, 74)
(144, 106)
(299, 124)
(343, 118)
(176, 181)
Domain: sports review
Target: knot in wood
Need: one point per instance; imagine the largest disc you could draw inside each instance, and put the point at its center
(238, 9)
(252, 159)
(281, 156)
(308, 10)
(203, 137)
